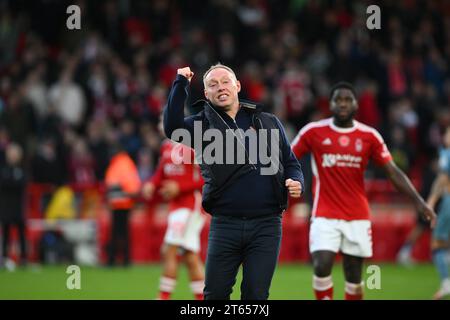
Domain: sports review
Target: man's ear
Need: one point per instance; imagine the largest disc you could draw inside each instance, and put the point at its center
(238, 85)
(206, 94)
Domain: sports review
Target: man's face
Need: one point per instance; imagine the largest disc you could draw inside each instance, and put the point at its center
(222, 88)
(13, 154)
(343, 105)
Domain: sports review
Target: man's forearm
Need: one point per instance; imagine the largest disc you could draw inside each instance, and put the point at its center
(174, 111)
(293, 170)
(404, 185)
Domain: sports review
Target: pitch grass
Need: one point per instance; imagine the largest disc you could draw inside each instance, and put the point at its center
(291, 282)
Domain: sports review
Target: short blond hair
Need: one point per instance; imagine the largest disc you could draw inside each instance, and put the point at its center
(217, 66)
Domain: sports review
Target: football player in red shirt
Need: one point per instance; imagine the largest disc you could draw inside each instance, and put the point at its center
(341, 148)
(179, 182)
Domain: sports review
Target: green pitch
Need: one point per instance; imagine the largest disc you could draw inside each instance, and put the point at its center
(291, 282)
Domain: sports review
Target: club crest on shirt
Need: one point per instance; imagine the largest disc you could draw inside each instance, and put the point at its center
(358, 145)
(344, 141)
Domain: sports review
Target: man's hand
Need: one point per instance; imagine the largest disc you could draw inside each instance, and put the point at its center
(147, 190)
(169, 190)
(186, 72)
(294, 188)
(428, 213)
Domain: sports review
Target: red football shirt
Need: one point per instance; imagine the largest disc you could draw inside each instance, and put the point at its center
(187, 175)
(340, 157)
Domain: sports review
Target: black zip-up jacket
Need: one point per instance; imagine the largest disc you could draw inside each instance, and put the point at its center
(12, 192)
(236, 189)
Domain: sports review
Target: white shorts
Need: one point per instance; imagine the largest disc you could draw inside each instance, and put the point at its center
(183, 229)
(349, 237)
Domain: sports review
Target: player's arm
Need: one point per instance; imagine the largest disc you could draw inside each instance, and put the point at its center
(300, 145)
(439, 186)
(173, 117)
(404, 185)
(149, 187)
(187, 185)
(172, 188)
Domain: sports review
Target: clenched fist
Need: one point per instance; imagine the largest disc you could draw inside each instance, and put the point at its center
(294, 188)
(186, 72)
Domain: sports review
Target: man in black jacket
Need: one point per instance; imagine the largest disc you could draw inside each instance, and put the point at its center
(245, 194)
(12, 191)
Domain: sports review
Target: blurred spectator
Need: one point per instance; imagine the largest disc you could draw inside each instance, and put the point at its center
(9, 35)
(81, 164)
(368, 111)
(254, 19)
(100, 92)
(4, 141)
(18, 118)
(342, 66)
(396, 75)
(253, 83)
(68, 99)
(123, 184)
(110, 22)
(169, 68)
(47, 165)
(319, 60)
(98, 147)
(12, 192)
(197, 48)
(128, 137)
(36, 92)
(156, 101)
(294, 95)
(435, 70)
(151, 141)
(400, 148)
(145, 164)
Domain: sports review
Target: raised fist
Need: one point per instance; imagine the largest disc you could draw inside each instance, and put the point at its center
(186, 72)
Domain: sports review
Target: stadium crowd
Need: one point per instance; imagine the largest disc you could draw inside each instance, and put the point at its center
(66, 96)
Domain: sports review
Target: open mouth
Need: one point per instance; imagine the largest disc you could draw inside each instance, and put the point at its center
(222, 97)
